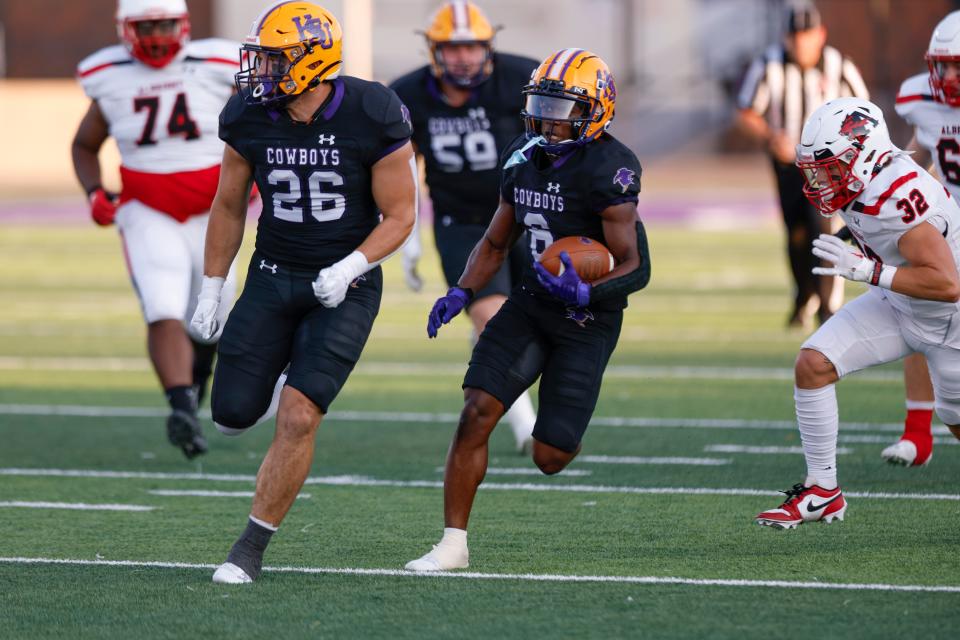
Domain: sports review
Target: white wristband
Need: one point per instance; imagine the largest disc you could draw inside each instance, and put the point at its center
(211, 287)
(886, 277)
(355, 265)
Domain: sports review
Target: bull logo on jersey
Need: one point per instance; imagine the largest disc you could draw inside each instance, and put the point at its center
(311, 28)
(857, 126)
(624, 178)
(580, 315)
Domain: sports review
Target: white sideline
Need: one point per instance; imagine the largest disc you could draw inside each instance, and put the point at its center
(204, 493)
(524, 577)
(89, 411)
(704, 462)
(762, 450)
(377, 368)
(75, 506)
(366, 481)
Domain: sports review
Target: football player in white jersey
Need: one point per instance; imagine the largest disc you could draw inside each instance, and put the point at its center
(159, 95)
(931, 103)
(907, 230)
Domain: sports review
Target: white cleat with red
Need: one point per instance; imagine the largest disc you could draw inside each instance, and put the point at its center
(805, 504)
(904, 452)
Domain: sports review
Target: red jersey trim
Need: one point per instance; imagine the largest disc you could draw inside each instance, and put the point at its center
(874, 209)
(235, 63)
(100, 67)
(914, 98)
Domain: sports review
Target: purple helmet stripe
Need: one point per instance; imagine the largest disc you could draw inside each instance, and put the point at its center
(563, 72)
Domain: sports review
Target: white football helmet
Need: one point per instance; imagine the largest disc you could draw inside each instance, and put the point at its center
(155, 47)
(843, 145)
(945, 47)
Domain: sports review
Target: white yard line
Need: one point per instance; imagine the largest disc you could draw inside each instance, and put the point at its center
(859, 439)
(366, 481)
(761, 450)
(402, 417)
(204, 493)
(376, 368)
(706, 462)
(75, 506)
(520, 577)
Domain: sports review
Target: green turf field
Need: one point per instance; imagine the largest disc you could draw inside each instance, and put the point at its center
(700, 379)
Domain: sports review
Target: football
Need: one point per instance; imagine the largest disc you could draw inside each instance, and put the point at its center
(591, 259)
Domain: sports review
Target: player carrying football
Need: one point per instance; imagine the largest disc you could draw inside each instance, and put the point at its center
(907, 227)
(465, 107)
(565, 177)
(159, 95)
(332, 158)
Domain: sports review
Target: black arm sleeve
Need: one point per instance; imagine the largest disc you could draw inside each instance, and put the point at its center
(844, 234)
(629, 282)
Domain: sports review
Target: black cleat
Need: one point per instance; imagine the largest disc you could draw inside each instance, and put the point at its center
(183, 430)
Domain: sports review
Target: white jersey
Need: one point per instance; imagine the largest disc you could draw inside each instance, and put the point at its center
(937, 127)
(902, 196)
(164, 120)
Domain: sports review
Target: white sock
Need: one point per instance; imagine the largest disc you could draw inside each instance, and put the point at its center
(819, 420)
(920, 404)
(522, 417)
(454, 536)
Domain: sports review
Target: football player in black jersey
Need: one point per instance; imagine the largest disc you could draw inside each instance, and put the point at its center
(331, 155)
(565, 177)
(465, 106)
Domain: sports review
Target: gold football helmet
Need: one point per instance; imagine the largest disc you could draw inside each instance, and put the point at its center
(460, 22)
(292, 47)
(572, 86)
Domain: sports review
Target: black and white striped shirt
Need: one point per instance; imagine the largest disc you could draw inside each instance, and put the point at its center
(785, 95)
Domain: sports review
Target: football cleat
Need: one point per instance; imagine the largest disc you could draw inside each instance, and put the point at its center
(443, 557)
(183, 430)
(805, 504)
(906, 453)
(229, 573)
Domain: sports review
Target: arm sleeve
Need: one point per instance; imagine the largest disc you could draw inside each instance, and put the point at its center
(396, 127)
(629, 282)
(615, 182)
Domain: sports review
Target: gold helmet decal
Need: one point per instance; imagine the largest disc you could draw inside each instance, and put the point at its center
(292, 47)
(460, 22)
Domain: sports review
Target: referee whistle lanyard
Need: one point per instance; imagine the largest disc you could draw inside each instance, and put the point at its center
(520, 155)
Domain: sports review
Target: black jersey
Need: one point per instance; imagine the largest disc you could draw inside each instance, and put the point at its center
(461, 146)
(558, 197)
(315, 178)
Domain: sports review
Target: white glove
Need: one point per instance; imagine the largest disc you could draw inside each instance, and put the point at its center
(332, 283)
(410, 258)
(205, 322)
(848, 261)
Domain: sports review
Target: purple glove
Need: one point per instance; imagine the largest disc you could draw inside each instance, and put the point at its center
(445, 308)
(568, 288)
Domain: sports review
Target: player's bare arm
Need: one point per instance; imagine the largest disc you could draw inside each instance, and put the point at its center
(91, 134)
(394, 185)
(931, 273)
(619, 222)
(486, 258)
(227, 214)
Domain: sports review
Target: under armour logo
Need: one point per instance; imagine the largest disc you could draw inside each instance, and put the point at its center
(326, 139)
(272, 267)
(553, 187)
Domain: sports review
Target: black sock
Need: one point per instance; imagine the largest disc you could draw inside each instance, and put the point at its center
(247, 552)
(203, 355)
(182, 398)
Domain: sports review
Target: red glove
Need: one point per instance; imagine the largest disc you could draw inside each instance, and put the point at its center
(103, 207)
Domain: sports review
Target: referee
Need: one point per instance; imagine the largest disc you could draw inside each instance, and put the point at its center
(780, 90)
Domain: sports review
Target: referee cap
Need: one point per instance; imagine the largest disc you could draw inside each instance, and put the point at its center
(802, 16)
